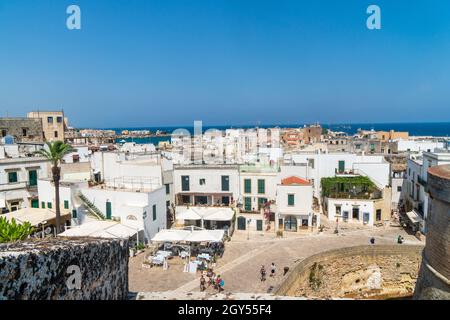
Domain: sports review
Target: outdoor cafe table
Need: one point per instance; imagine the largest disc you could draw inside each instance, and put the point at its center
(163, 253)
(204, 256)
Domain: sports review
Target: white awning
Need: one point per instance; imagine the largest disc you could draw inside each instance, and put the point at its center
(34, 216)
(170, 235)
(221, 214)
(189, 214)
(206, 213)
(414, 217)
(205, 236)
(189, 236)
(101, 229)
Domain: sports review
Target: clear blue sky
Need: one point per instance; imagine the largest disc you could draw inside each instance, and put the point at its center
(169, 62)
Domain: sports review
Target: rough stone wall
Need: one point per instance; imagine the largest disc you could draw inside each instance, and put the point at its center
(14, 126)
(434, 280)
(48, 269)
(356, 272)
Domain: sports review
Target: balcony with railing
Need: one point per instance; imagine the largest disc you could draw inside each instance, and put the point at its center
(350, 187)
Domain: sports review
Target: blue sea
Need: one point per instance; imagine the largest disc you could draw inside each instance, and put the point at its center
(439, 129)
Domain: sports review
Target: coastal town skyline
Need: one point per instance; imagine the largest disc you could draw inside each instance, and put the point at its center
(231, 62)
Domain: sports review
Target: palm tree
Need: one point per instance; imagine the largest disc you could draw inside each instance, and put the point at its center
(55, 152)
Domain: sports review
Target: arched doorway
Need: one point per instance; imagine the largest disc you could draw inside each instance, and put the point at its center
(290, 223)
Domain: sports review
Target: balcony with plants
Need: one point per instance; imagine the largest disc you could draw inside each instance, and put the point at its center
(352, 187)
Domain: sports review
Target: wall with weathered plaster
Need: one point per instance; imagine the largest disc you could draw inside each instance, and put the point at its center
(356, 272)
(64, 269)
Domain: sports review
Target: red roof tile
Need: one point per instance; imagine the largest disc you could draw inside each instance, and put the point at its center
(295, 181)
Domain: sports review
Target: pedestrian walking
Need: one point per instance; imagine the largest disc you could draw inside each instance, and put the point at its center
(263, 273)
(372, 240)
(217, 283)
(273, 269)
(202, 283)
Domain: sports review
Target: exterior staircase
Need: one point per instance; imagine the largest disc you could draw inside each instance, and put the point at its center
(91, 208)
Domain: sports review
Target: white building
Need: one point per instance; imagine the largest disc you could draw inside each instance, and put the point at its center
(348, 202)
(205, 184)
(416, 145)
(417, 177)
(130, 201)
(19, 174)
(294, 205)
(258, 185)
(315, 166)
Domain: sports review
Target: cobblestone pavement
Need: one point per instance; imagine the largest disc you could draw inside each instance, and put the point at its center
(243, 258)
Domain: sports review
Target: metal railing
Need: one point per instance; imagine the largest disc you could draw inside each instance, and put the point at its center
(92, 209)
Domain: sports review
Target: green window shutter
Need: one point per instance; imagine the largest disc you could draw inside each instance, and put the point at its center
(167, 188)
(261, 202)
(35, 203)
(74, 213)
(32, 178)
(248, 204)
(341, 166)
(261, 186)
(225, 183)
(49, 205)
(108, 210)
(12, 177)
(247, 186)
(154, 212)
(291, 200)
(66, 204)
(43, 205)
(185, 183)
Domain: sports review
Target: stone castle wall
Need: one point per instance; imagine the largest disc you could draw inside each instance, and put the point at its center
(64, 269)
(434, 280)
(15, 126)
(356, 272)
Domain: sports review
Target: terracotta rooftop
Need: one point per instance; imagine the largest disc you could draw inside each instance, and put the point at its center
(442, 171)
(295, 181)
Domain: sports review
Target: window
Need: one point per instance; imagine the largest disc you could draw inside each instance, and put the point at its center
(225, 183)
(167, 188)
(32, 178)
(43, 205)
(248, 204)
(247, 186)
(24, 132)
(49, 205)
(338, 210)
(12, 177)
(56, 134)
(184, 183)
(341, 166)
(66, 204)
(291, 200)
(202, 182)
(378, 215)
(35, 203)
(59, 119)
(154, 212)
(261, 186)
(49, 119)
(399, 189)
(261, 202)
